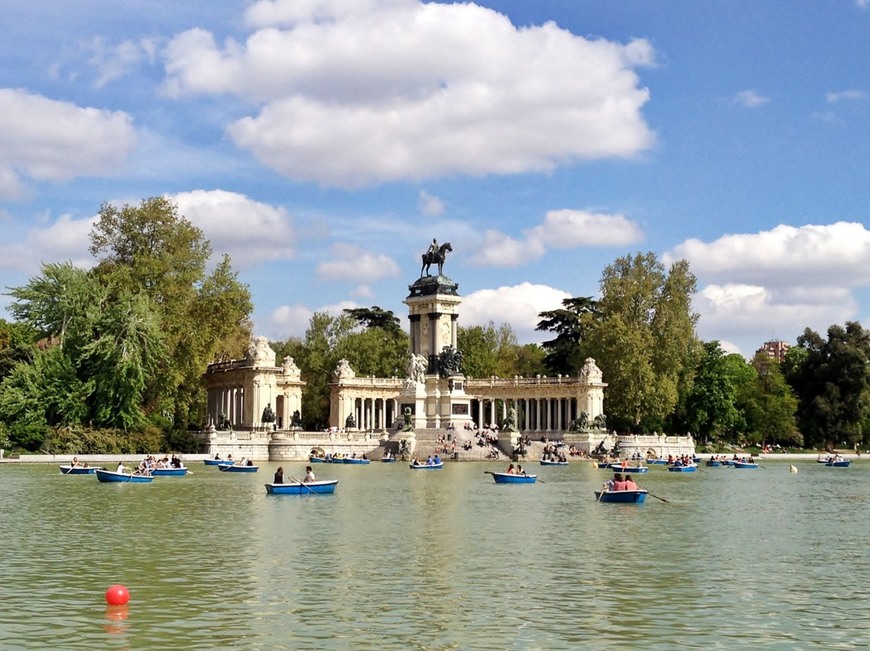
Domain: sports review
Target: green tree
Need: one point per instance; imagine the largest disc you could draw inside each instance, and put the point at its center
(644, 338)
(709, 409)
(831, 379)
(772, 405)
(375, 317)
(16, 345)
(571, 323)
(489, 350)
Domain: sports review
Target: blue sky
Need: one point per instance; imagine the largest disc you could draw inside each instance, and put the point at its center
(324, 143)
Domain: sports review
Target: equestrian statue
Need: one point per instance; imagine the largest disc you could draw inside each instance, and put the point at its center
(435, 255)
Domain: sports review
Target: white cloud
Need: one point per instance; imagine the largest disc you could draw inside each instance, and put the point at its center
(561, 229)
(63, 239)
(114, 61)
(429, 204)
(357, 264)
(813, 255)
(251, 232)
(44, 139)
(750, 99)
(374, 91)
(289, 321)
(518, 305)
(749, 311)
(833, 98)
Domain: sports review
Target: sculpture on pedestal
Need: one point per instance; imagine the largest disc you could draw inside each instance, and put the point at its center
(450, 361)
(268, 415)
(435, 255)
(409, 421)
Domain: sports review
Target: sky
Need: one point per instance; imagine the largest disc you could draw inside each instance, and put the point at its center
(323, 144)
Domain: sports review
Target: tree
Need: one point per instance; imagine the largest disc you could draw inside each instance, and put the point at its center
(831, 379)
(487, 350)
(709, 408)
(571, 323)
(772, 405)
(375, 317)
(16, 345)
(644, 338)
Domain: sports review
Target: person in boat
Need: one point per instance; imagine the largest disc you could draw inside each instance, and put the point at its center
(436, 460)
(250, 463)
(520, 470)
(244, 461)
(429, 460)
(510, 470)
(74, 462)
(279, 476)
(121, 467)
(630, 484)
(309, 475)
(619, 482)
(217, 457)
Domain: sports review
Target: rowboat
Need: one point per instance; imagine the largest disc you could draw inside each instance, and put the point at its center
(745, 464)
(545, 462)
(657, 462)
(713, 463)
(169, 472)
(844, 463)
(300, 488)
(621, 497)
(509, 478)
(388, 460)
(313, 459)
(219, 462)
(235, 468)
(78, 470)
(110, 476)
(620, 468)
(358, 462)
(603, 464)
(691, 468)
(426, 466)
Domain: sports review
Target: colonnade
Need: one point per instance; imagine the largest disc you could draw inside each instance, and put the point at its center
(229, 401)
(375, 413)
(533, 414)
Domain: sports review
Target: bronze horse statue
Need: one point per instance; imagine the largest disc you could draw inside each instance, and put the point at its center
(436, 257)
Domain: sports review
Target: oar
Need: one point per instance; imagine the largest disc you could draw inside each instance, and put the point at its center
(659, 498)
(311, 490)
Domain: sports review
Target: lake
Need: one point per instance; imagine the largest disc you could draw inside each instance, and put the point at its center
(446, 559)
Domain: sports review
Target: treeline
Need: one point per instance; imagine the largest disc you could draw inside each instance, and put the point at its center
(112, 358)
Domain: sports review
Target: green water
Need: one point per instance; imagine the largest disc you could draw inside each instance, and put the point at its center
(402, 559)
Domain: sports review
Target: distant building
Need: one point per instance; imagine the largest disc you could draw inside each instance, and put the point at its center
(774, 350)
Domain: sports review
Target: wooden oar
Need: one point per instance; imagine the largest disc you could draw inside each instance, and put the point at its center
(311, 490)
(659, 498)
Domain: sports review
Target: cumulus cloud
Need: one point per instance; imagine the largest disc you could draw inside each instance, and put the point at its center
(518, 305)
(65, 238)
(251, 232)
(113, 61)
(353, 262)
(293, 320)
(813, 255)
(370, 91)
(44, 139)
(561, 229)
(785, 278)
(750, 99)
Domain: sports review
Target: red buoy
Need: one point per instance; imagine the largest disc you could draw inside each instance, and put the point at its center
(117, 595)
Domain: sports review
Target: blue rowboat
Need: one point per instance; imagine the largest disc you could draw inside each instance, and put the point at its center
(78, 470)
(109, 476)
(235, 468)
(691, 468)
(603, 464)
(319, 460)
(545, 462)
(657, 462)
(388, 460)
(745, 464)
(298, 488)
(713, 463)
(838, 464)
(621, 497)
(426, 466)
(507, 478)
(169, 472)
(357, 462)
(618, 468)
(219, 462)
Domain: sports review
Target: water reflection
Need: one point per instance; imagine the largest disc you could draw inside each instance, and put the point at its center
(398, 559)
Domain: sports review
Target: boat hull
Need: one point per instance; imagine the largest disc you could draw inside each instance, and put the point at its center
(356, 462)
(553, 463)
(298, 488)
(319, 460)
(838, 464)
(219, 462)
(168, 472)
(390, 460)
(235, 468)
(682, 468)
(506, 478)
(621, 497)
(111, 477)
(745, 465)
(713, 464)
(426, 466)
(77, 470)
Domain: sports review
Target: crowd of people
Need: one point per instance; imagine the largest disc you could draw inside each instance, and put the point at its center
(150, 463)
